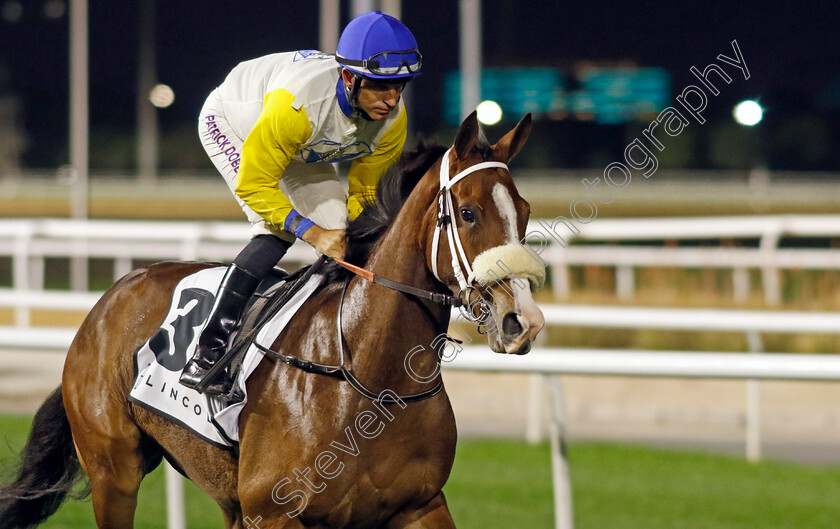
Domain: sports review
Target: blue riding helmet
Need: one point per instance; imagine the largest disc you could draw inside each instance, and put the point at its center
(379, 46)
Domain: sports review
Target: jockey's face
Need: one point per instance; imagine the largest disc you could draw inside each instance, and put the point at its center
(376, 98)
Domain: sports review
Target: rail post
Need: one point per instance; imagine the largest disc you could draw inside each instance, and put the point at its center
(753, 411)
(563, 515)
(174, 498)
(536, 391)
(769, 270)
(20, 274)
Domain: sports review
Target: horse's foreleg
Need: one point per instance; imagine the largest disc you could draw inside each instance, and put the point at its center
(434, 514)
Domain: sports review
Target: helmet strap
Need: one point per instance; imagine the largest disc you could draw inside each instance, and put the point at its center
(352, 93)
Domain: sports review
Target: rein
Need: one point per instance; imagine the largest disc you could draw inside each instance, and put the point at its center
(437, 297)
(342, 372)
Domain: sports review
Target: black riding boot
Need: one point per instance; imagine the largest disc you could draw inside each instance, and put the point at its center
(236, 288)
(252, 264)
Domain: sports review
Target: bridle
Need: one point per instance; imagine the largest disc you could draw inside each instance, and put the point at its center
(464, 274)
(446, 221)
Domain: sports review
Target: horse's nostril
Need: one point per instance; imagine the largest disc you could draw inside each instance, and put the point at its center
(510, 324)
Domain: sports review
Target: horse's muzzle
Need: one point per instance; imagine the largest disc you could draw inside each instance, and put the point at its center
(518, 333)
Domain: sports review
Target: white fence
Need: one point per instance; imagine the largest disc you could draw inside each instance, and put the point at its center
(548, 362)
(29, 241)
(768, 257)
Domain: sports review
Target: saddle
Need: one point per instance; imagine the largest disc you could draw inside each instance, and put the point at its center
(269, 298)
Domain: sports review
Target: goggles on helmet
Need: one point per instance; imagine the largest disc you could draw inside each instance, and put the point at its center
(388, 63)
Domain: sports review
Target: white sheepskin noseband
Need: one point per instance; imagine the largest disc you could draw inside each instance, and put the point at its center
(501, 262)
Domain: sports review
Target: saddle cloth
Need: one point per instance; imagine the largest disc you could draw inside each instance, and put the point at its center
(158, 363)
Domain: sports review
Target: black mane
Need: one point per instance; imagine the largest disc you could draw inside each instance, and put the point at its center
(379, 214)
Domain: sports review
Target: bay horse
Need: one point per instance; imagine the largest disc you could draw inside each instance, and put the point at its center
(375, 465)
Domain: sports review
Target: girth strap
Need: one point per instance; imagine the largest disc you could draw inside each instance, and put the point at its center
(243, 340)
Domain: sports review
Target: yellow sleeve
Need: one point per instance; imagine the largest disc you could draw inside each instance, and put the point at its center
(365, 172)
(268, 149)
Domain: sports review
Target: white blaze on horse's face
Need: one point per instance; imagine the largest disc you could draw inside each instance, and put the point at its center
(504, 203)
(515, 318)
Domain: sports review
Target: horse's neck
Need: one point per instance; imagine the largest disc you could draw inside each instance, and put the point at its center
(384, 326)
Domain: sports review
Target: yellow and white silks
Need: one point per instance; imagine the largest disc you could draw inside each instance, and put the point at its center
(274, 127)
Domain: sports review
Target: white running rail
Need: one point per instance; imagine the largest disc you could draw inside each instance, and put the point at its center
(752, 243)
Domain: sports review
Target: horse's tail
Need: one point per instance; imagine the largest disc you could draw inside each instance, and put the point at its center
(48, 471)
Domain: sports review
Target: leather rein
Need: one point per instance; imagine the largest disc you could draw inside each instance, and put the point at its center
(437, 297)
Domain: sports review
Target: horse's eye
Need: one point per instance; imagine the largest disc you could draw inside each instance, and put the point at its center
(468, 215)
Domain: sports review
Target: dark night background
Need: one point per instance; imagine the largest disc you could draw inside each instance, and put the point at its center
(792, 51)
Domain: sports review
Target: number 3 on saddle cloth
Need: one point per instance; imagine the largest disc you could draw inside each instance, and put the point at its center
(158, 363)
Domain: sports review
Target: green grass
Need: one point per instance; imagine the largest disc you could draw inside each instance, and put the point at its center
(507, 484)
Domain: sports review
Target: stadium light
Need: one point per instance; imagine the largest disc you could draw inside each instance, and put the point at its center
(161, 96)
(489, 112)
(12, 11)
(748, 113)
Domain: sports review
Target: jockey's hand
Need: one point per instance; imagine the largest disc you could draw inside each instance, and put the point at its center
(327, 242)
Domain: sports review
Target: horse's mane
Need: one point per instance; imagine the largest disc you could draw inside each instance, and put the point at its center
(379, 214)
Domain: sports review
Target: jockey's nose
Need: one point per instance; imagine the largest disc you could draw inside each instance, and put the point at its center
(391, 97)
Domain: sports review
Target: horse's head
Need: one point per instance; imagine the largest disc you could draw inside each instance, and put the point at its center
(475, 248)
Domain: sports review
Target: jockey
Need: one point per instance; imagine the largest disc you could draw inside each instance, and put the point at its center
(274, 127)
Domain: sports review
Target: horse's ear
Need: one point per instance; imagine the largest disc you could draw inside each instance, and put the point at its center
(512, 142)
(467, 135)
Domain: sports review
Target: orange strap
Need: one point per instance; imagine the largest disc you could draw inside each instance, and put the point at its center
(359, 271)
